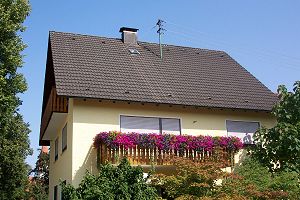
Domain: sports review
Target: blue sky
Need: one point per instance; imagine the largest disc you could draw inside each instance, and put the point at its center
(263, 36)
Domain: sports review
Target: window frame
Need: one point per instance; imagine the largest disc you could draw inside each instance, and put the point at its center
(161, 124)
(250, 121)
(157, 117)
(66, 137)
(56, 149)
(55, 192)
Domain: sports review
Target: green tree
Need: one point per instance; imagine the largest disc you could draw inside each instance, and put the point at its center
(112, 183)
(36, 191)
(279, 147)
(14, 142)
(41, 170)
(38, 187)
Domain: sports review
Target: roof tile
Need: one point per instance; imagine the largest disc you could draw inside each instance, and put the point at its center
(98, 67)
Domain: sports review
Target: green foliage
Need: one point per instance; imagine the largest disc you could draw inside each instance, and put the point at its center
(38, 187)
(14, 142)
(36, 190)
(279, 147)
(235, 188)
(199, 181)
(112, 183)
(192, 180)
(254, 181)
(41, 170)
(254, 173)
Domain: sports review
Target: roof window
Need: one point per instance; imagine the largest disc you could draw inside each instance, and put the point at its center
(134, 51)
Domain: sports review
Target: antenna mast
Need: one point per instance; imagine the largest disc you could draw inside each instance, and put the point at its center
(160, 31)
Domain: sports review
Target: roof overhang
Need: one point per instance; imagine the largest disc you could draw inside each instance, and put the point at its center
(56, 121)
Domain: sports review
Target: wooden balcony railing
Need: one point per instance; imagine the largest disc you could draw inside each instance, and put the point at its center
(147, 156)
(54, 104)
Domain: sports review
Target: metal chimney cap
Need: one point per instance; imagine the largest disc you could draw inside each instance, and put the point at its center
(122, 29)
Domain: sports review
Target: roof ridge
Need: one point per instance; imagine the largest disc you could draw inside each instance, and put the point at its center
(80, 34)
(142, 42)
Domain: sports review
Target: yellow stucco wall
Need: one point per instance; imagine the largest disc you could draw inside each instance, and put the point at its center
(91, 117)
(61, 169)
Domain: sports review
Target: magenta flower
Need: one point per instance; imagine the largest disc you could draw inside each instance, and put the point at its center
(167, 142)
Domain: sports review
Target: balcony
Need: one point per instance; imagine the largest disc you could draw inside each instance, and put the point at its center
(160, 149)
(154, 156)
(54, 112)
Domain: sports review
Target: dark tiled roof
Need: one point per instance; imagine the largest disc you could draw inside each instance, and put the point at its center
(98, 67)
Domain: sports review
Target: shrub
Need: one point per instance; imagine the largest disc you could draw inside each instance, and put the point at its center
(253, 172)
(122, 182)
(194, 180)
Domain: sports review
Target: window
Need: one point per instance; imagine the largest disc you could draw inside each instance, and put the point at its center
(150, 125)
(170, 126)
(55, 193)
(134, 51)
(140, 124)
(64, 138)
(242, 129)
(56, 149)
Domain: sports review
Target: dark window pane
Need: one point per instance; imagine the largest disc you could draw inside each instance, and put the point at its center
(56, 149)
(55, 193)
(64, 138)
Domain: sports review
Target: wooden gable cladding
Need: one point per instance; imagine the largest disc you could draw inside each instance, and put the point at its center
(54, 103)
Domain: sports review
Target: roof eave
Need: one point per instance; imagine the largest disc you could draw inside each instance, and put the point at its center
(153, 102)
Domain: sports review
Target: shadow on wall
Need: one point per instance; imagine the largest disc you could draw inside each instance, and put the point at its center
(89, 164)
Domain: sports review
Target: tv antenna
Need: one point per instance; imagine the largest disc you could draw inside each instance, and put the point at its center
(160, 23)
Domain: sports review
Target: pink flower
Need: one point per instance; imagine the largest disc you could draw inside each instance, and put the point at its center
(167, 142)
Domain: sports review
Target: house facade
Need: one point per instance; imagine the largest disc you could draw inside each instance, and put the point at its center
(96, 84)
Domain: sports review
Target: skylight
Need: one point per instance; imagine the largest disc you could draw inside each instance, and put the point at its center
(134, 51)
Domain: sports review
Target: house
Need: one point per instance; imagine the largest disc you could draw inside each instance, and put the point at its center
(94, 84)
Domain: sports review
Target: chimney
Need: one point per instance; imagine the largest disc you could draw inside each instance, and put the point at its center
(129, 35)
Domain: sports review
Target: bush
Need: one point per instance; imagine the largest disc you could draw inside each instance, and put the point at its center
(122, 182)
(198, 181)
(256, 174)
(192, 180)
